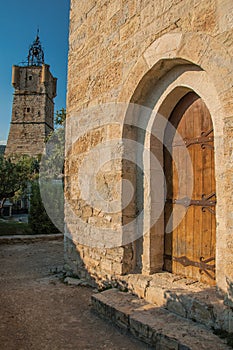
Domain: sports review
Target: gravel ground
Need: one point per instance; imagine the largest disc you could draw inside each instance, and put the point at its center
(38, 311)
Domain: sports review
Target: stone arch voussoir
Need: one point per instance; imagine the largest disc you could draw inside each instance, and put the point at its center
(198, 49)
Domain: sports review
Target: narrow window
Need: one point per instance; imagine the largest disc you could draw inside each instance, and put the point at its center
(30, 77)
(28, 110)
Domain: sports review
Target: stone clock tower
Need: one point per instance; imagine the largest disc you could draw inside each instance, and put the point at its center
(33, 107)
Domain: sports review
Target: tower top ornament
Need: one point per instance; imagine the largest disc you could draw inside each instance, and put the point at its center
(36, 53)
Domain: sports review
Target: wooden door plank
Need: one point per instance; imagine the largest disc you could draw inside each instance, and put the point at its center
(208, 173)
(194, 237)
(198, 184)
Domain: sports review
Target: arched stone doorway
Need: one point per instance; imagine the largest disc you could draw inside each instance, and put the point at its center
(176, 84)
(158, 81)
(189, 213)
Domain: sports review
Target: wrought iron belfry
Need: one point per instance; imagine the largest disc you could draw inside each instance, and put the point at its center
(36, 53)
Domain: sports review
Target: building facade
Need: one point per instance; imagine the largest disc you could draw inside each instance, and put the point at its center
(150, 103)
(33, 107)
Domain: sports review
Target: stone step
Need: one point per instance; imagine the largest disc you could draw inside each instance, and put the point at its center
(154, 325)
(184, 297)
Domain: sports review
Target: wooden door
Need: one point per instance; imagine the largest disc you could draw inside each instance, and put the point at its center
(190, 246)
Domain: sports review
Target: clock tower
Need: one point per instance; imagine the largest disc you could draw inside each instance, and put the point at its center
(33, 107)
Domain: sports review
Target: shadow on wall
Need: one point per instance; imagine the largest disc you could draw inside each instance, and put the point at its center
(229, 297)
(74, 262)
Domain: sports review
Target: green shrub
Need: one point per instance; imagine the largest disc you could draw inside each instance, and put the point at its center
(39, 221)
(14, 228)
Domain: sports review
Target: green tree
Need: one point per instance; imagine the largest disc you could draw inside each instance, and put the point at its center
(39, 221)
(60, 118)
(15, 174)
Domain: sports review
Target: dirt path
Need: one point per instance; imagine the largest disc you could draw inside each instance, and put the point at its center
(37, 311)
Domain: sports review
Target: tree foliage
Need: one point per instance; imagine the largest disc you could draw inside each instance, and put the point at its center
(39, 220)
(15, 174)
(60, 118)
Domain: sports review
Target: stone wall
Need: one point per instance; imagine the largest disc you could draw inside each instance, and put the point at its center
(141, 51)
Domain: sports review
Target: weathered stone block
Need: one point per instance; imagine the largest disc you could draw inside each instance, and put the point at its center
(202, 313)
(173, 304)
(168, 344)
(155, 295)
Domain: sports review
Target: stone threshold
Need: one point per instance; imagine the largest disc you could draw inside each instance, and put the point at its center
(182, 296)
(154, 325)
(30, 238)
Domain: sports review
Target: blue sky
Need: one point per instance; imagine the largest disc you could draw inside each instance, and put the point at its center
(19, 21)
